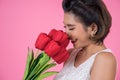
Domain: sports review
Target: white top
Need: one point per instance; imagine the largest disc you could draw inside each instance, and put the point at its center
(82, 72)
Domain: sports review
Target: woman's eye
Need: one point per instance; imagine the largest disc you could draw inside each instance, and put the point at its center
(71, 28)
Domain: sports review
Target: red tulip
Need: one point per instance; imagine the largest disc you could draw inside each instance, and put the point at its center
(59, 36)
(42, 41)
(52, 48)
(65, 44)
(54, 45)
(64, 37)
(52, 32)
(59, 57)
(64, 58)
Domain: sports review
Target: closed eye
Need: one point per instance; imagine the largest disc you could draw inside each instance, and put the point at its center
(71, 28)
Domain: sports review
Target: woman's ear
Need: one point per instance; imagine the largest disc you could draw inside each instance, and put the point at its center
(93, 28)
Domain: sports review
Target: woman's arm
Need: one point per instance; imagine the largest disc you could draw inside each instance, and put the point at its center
(104, 67)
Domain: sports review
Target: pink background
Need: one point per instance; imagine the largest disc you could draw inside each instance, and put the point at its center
(22, 20)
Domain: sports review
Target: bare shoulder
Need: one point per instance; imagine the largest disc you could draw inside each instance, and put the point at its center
(104, 67)
(106, 57)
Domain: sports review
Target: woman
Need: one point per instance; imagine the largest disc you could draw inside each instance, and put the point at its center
(87, 23)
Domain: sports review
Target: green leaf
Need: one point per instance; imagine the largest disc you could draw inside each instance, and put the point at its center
(30, 57)
(48, 66)
(37, 68)
(46, 74)
(43, 69)
(35, 62)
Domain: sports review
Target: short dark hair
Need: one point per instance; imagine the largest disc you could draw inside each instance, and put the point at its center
(91, 11)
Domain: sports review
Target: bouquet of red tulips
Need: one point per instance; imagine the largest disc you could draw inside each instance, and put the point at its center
(53, 47)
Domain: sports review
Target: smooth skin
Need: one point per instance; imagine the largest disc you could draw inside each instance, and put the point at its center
(104, 67)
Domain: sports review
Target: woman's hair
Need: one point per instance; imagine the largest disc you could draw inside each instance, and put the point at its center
(90, 11)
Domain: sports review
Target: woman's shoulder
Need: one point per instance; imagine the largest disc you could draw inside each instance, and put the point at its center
(105, 57)
(104, 65)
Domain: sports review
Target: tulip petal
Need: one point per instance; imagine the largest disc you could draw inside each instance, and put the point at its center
(52, 33)
(52, 48)
(42, 41)
(64, 37)
(63, 59)
(60, 55)
(58, 36)
(65, 44)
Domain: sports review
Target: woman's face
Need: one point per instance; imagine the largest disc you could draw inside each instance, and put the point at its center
(75, 29)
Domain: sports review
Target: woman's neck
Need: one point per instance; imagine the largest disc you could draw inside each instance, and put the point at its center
(93, 48)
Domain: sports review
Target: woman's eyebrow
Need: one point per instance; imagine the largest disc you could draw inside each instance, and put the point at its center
(69, 25)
